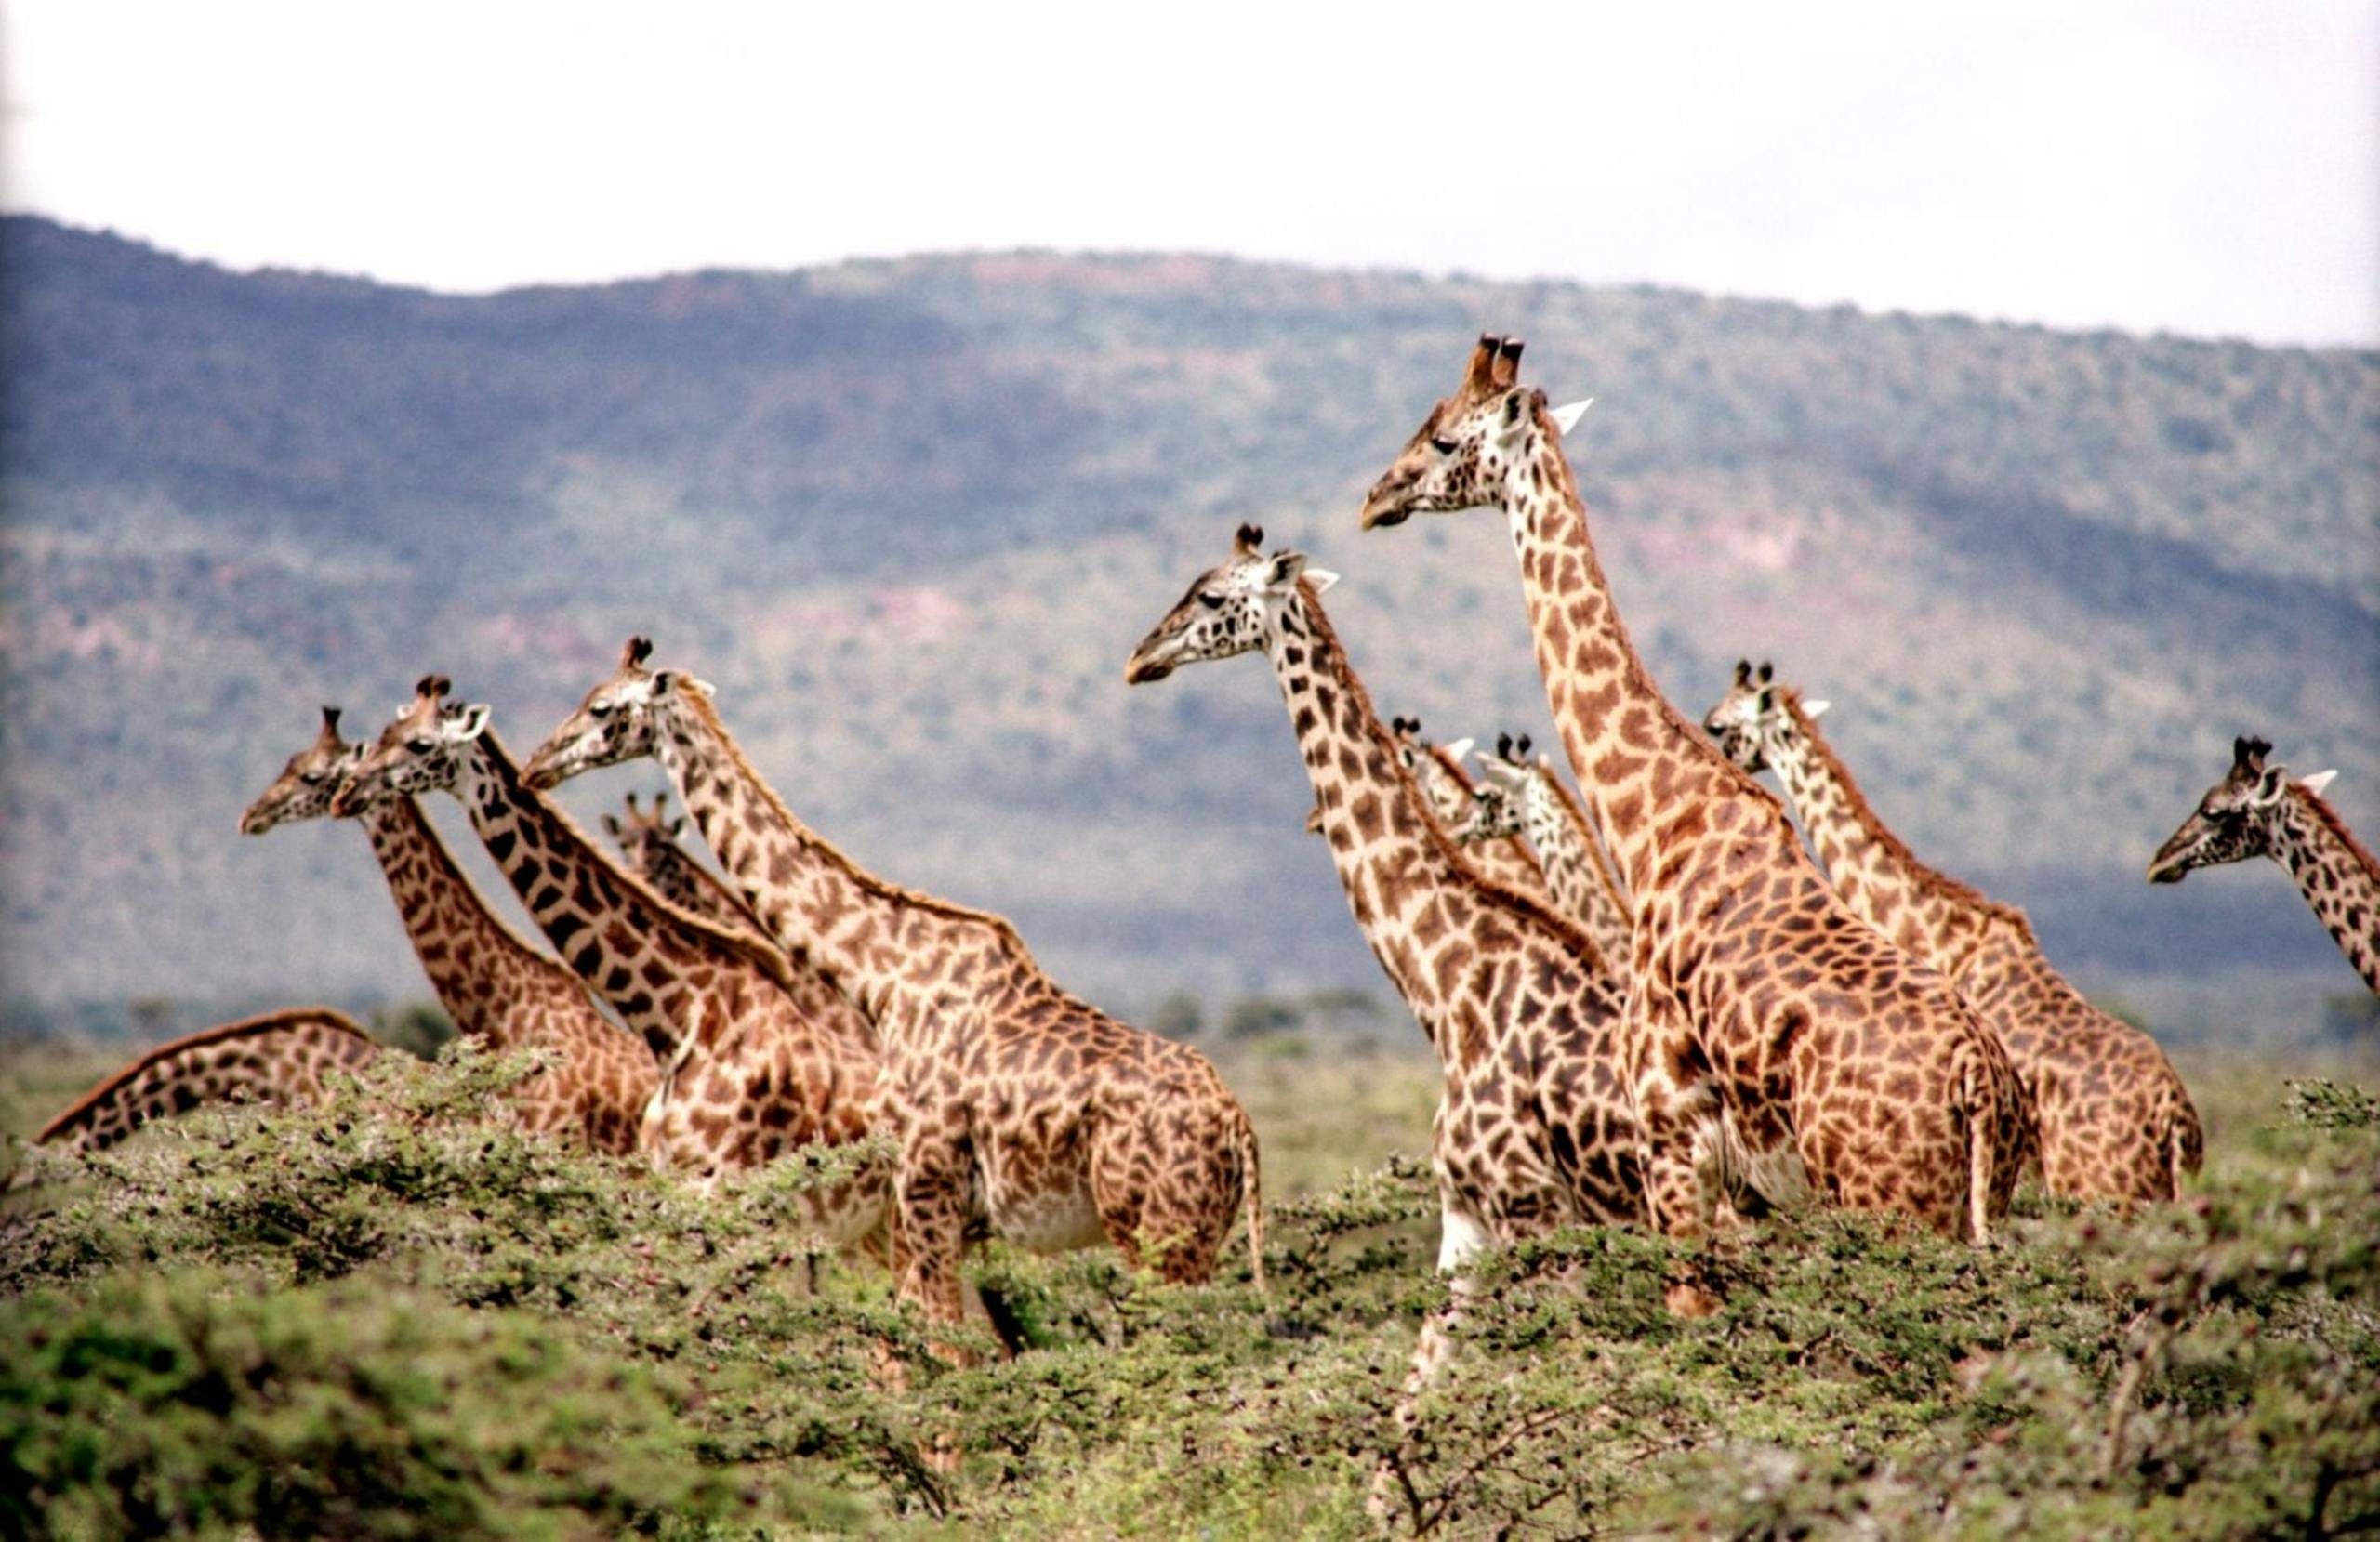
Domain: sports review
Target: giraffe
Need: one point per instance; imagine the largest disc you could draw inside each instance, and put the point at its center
(1534, 1128)
(281, 1056)
(1754, 991)
(1449, 797)
(596, 1081)
(2257, 810)
(1018, 1109)
(1516, 796)
(2115, 1121)
(753, 1071)
(649, 848)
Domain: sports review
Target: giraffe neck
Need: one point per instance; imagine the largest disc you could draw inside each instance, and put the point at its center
(863, 933)
(1655, 782)
(1574, 868)
(474, 962)
(1398, 868)
(1876, 874)
(654, 964)
(2338, 877)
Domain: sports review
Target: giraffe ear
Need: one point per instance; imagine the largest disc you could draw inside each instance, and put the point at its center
(2321, 779)
(1816, 708)
(1282, 572)
(1566, 416)
(1460, 748)
(612, 826)
(1767, 700)
(2269, 786)
(468, 724)
(676, 825)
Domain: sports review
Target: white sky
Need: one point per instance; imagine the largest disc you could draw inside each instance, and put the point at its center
(2197, 166)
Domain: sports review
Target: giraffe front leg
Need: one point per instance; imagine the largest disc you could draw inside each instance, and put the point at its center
(1681, 1136)
(1460, 1236)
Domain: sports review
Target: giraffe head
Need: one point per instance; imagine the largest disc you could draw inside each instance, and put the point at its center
(417, 752)
(1752, 724)
(306, 784)
(1499, 804)
(623, 719)
(1459, 457)
(1232, 609)
(2235, 818)
(640, 836)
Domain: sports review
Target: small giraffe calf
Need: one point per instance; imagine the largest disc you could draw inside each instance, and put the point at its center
(281, 1056)
(2257, 811)
(1516, 797)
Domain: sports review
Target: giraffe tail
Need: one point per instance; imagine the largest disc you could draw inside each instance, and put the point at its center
(1980, 1110)
(2184, 1138)
(1251, 1177)
(277, 1057)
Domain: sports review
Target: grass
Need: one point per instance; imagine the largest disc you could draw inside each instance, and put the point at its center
(387, 1318)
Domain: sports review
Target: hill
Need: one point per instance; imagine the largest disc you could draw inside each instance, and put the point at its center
(910, 516)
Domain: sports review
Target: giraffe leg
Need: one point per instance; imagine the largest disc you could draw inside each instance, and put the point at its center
(1460, 1236)
(1683, 1134)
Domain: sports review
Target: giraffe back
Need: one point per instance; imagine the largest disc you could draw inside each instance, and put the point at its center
(280, 1057)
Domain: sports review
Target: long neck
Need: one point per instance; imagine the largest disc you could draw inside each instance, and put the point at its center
(474, 962)
(863, 933)
(1877, 876)
(1401, 874)
(655, 964)
(1655, 782)
(1574, 867)
(2335, 874)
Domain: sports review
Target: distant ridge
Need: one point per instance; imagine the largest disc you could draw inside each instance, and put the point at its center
(910, 514)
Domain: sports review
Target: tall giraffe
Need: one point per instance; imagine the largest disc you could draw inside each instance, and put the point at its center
(2257, 811)
(753, 1071)
(1016, 1105)
(597, 1081)
(1449, 797)
(2116, 1122)
(1533, 1129)
(1518, 797)
(281, 1056)
(1754, 990)
(648, 849)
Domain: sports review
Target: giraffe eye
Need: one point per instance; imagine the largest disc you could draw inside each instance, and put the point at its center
(421, 746)
(600, 709)
(1212, 602)
(313, 779)
(1444, 445)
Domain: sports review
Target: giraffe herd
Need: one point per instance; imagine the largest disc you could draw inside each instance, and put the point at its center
(1654, 1002)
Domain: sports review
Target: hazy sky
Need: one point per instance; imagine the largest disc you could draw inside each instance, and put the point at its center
(2203, 167)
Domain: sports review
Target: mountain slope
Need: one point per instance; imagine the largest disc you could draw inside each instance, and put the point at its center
(910, 517)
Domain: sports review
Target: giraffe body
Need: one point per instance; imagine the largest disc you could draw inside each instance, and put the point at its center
(1534, 1126)
(1516, 798)
(1019, 1110)
(1533, 1129)
(2115, 1120)
(594, 1082)
(749, 1074)
(283, 1057)
(2260, 811)
(1760, 1007)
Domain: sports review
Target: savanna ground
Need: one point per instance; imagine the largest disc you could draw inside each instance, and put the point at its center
(388, 1319)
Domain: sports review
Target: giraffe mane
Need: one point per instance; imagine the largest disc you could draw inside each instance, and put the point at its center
(1564, 484)
(1928, 878)
(243, 1028)
(2329, 816)
(1573, 936)
(771, 961)
(881, 888)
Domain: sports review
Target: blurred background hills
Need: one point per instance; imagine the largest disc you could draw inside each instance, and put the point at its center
(910, 516)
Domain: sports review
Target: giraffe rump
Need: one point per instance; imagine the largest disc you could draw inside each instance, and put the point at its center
(275, 1057)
